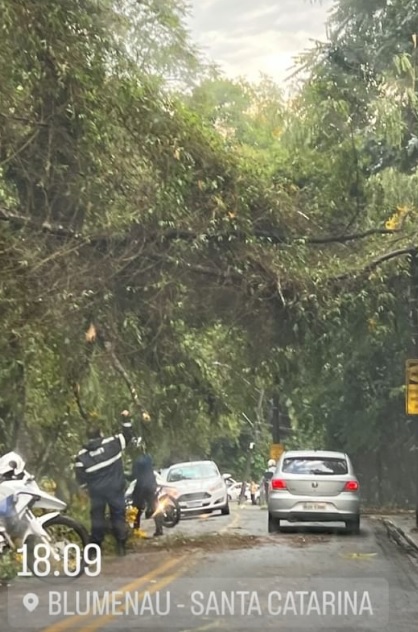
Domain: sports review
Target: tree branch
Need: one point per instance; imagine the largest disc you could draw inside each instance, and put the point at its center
(20, 221)
(22, 119)
(117, 365)
(391, 255)
(76, 392)
(374, 263)
(351, 237)
(272, 236)
(226, 275)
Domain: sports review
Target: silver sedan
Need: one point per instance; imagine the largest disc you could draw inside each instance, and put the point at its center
(314, 486)
(199, 487)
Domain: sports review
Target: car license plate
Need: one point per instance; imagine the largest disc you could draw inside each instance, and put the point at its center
(315, 506)
(195, 503)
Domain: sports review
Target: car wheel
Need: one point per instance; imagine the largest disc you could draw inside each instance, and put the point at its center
(225, 510)
(273, 524)
(353, 526)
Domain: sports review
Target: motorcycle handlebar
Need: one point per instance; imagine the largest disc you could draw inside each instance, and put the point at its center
(11, 476)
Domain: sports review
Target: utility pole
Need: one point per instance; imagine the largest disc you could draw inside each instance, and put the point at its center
(414, 340)
(275, 419)
(259, 418)
(247, 473)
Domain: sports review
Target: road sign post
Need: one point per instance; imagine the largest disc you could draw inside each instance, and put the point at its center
(412, 387)
(411, 364)
(276, 451)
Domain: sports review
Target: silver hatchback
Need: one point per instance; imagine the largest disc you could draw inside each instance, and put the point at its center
(314, 486)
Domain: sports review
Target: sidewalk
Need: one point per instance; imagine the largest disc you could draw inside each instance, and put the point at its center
(401, 528)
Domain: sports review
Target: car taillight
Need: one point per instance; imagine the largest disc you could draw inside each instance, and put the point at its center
(278, 483)
(351, 486)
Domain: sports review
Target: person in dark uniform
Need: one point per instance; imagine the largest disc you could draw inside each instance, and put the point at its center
(144, 496)
(99, 469)
(268, 475)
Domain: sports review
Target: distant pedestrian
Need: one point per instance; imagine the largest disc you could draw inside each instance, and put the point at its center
(253, 491)
(268, 475)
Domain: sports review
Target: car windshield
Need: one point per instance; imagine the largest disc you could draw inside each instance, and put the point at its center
(192, 472)
(313, 465)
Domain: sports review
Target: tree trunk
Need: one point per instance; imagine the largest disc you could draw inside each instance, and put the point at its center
(379, 477)
(18, 435)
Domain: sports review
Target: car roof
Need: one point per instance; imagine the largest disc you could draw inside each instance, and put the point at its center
(321, 454)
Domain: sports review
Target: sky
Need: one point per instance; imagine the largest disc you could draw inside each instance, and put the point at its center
(246, 37)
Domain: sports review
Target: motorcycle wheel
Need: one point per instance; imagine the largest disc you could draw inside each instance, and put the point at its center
(75, 534)
(172, 511)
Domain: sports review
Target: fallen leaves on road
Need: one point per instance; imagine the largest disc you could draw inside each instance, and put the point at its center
(229, 541)
(211, 542)
(174, 546)
(299, 540)
(386, 511)
(358, 556)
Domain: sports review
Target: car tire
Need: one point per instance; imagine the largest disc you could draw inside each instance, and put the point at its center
(225, 511)
(273, 524)
(353, 526)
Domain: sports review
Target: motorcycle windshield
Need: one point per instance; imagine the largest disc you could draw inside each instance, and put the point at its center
(7, 507)
(24, 491)
(46, 501)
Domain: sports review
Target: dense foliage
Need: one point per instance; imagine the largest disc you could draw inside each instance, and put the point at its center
(232, 262)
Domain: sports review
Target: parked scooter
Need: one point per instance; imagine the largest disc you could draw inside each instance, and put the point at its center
(22, 530)
(167, 505)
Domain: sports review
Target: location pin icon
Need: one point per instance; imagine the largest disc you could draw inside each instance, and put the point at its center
(31, 602)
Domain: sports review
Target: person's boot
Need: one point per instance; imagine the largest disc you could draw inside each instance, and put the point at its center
(121, 548)
(137, 531)
(97, 552)
(158, 527)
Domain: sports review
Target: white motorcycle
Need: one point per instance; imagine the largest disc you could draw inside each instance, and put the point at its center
(51, 544)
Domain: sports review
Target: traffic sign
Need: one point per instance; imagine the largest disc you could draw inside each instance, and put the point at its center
(412, 371)
(412, 387)
(276, 450)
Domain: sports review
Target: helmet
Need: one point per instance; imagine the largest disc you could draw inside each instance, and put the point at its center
(271, 463)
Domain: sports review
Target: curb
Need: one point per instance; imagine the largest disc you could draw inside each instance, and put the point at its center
(403, 539)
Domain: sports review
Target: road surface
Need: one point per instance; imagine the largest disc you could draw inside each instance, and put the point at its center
(226, 573)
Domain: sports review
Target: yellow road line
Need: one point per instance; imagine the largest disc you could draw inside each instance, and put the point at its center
(232, 524)
(102, 621)
(68, 623)
(207, 626)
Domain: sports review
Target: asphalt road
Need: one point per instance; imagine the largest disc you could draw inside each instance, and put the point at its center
(226, 573)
